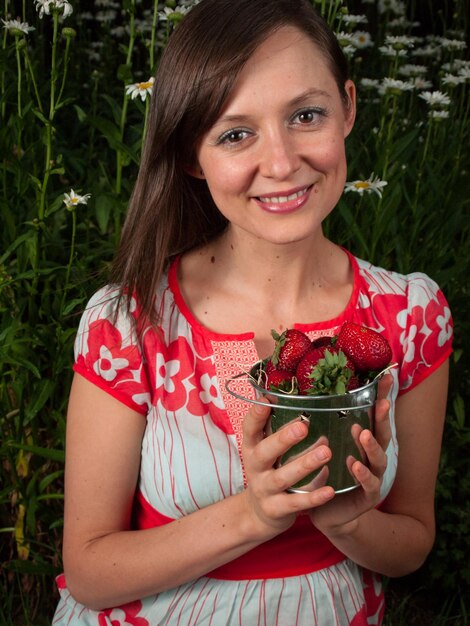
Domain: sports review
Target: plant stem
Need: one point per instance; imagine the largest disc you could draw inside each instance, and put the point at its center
(71, 256)
(66, 65)
(122, 123)
(33, 78)
(18, 97)
(419, 174)
(47, 163)
(153, 36)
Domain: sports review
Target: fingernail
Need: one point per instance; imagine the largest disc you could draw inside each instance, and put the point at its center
(297, 430)
(321, 453)
(259, 409)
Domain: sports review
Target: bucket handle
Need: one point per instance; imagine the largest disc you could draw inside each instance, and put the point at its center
(288, 408)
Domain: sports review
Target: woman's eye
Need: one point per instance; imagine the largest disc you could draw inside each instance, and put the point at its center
(308, 116)
(233, 136)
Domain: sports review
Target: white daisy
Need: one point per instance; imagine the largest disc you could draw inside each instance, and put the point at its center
(399, 42)
(46, 7)
(345, 39)
(402, 23)
(452, 80)
(390, 52)
(435, 99)
(429, 51)
(452, 44)
(370, 83)
(144, 89)
(421, 83)
(395, 86)
(464, 72)
(355, 19)
(394, 6)
(172, 15)
(411, 69)
(72, 199)
(362, 39)
(372, 184)
(17, 27)
(438, 115)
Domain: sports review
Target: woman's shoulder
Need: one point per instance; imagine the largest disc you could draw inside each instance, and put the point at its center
(415, 286)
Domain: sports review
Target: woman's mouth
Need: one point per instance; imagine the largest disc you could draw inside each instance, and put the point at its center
(284, 202)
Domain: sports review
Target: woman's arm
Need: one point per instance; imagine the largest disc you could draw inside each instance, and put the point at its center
(106, 563)
(395, 539)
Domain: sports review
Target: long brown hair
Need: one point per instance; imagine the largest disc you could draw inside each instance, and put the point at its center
(171, 211)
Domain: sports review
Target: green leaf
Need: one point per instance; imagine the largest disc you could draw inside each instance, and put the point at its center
(459, 410)
(41, 116)
(45, 482)
(28, 567)
(124, 73)
(72, 304)
(21, 362)
(80, 113)
(47, 453)
(112, 135)
(45, 389)
(18, 241)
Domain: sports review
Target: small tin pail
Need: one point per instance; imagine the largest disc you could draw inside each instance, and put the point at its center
(331, 419)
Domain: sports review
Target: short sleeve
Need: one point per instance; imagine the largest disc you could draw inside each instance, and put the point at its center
(427, 330)
(107, 350)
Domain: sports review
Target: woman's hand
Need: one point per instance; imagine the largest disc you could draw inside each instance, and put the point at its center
(273, 508)
(341, 515)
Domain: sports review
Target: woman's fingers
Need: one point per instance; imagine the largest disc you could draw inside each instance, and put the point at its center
(261, 450)
(383, 432)
(376, 456)
(295, 470)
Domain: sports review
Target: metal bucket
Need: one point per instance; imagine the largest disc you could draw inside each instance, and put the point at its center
(330, 420)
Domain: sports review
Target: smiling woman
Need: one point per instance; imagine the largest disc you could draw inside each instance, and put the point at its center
(277, 148)
(175, 511)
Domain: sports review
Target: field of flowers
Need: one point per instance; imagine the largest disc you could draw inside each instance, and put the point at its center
(75, 85)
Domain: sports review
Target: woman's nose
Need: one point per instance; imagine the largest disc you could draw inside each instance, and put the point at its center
(280, 157)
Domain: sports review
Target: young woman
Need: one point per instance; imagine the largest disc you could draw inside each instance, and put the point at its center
(174, 512)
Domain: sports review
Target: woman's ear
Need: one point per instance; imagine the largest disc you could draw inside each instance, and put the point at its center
(350, 107)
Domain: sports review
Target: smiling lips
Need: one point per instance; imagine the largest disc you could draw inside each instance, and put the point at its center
(285, 203)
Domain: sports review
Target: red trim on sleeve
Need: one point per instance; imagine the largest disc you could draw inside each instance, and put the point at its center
(102, 384)
(423, 374)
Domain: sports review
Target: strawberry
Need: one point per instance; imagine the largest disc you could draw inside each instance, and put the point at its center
(322, 341)
(290, 347)
(324, 370)
(366, 348)
(281, 380)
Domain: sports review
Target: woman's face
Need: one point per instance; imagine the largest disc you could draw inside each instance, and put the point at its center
(275, 161)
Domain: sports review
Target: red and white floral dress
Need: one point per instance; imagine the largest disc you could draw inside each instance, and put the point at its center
(191, 454)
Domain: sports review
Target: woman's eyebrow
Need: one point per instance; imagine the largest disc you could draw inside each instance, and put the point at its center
(309, 93)
(240, 118)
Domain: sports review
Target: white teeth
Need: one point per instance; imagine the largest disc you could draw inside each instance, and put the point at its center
(279, 199)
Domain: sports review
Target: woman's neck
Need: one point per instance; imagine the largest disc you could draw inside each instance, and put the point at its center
(237, 285)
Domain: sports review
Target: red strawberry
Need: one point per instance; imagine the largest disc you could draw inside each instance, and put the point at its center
(305, 367)
(281, 380)
(324, 370)
(367, 349)
(290, 348)
(354, 383)
(322, 341)
(269, 367)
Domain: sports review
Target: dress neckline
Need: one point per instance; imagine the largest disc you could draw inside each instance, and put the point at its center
(305, 327)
